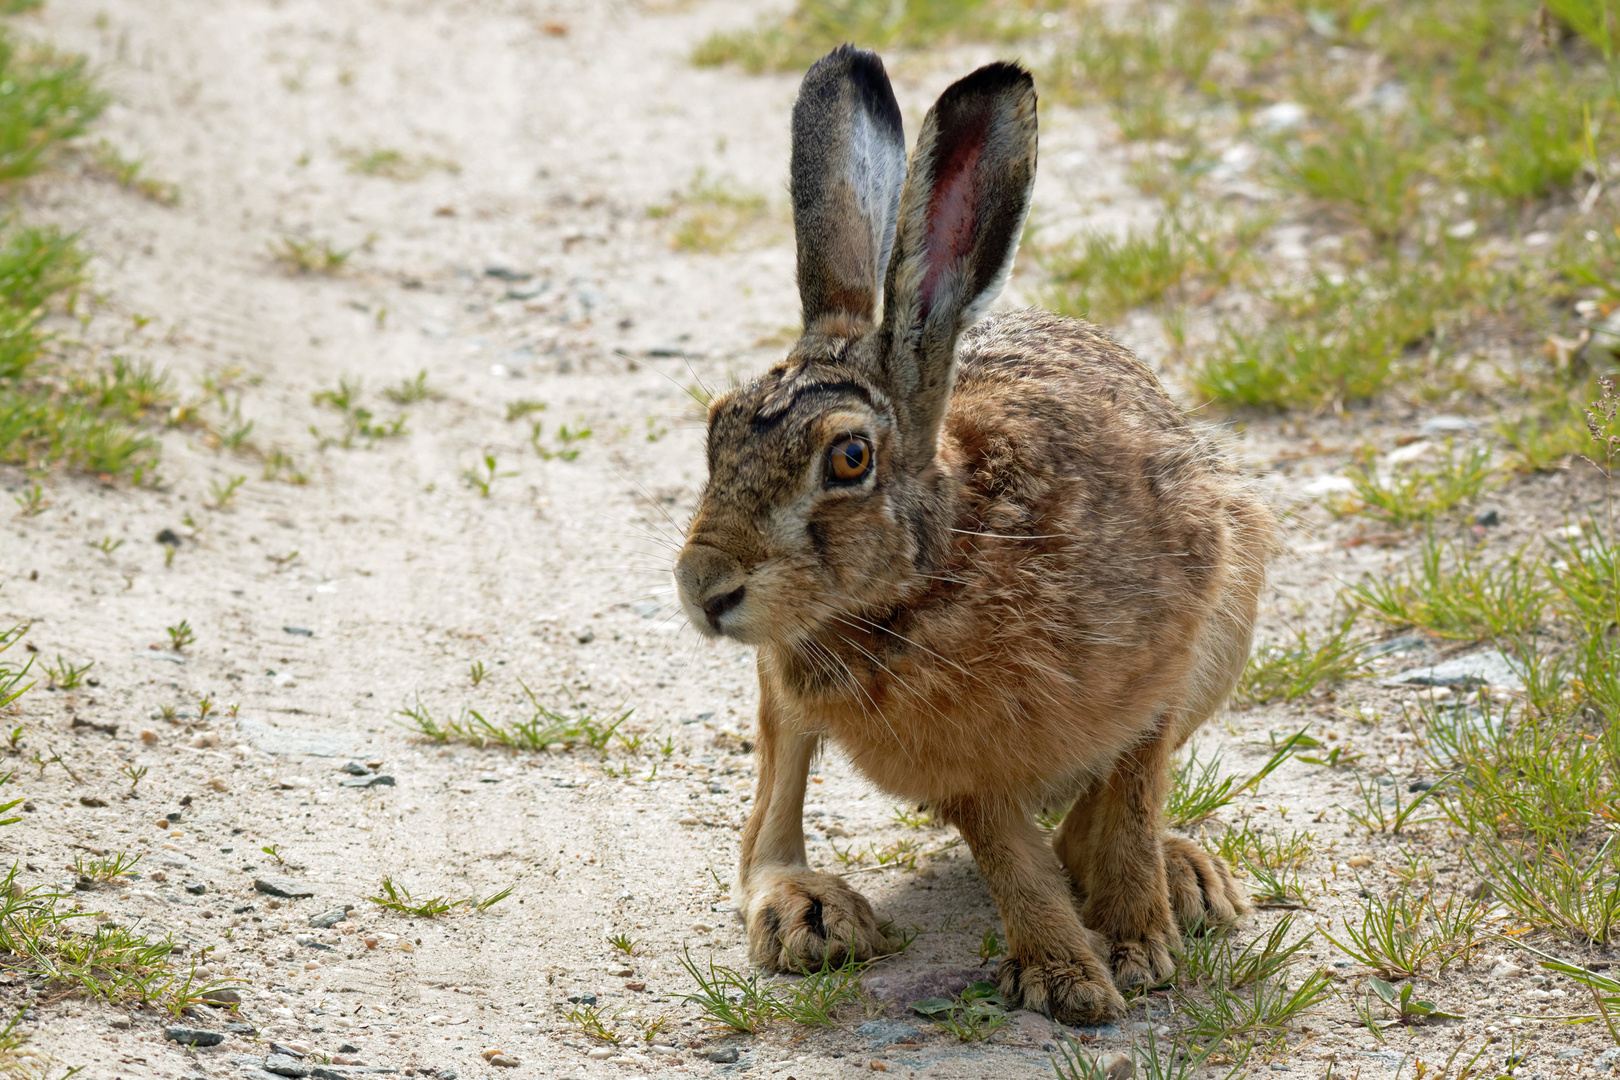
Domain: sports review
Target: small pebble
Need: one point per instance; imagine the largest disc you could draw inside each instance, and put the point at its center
(726, 1055)
(193, 1036)
(602, 1053)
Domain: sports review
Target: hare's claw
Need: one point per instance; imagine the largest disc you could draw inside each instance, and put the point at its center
(1067, 992)
(803, 920)
(1203, 891)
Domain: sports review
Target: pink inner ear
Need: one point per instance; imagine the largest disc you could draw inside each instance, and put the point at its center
(953, 216)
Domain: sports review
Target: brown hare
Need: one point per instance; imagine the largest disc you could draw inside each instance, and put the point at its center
(992, 561)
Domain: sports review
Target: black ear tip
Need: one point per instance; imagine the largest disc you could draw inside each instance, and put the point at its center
(863, 70)
(998, 77)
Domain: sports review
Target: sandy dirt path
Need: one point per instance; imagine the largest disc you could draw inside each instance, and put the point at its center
(518, 262)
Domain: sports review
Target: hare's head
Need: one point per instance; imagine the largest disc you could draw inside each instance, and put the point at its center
(824, 490)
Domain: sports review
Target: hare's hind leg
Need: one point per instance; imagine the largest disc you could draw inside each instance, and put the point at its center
(797, 919)
(1112, 844)
(1053, 964)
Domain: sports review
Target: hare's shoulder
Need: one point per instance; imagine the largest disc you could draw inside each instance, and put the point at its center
(1062, 394)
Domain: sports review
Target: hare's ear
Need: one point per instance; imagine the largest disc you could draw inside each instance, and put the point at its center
(849, 162)
(965, 200)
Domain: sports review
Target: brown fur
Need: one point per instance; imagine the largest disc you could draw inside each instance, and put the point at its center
(1044, 587)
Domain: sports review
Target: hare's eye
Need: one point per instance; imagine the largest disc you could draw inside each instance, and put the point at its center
(848, 460)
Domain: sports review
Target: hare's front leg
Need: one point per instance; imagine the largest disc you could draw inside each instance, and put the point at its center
(1138, 883)
(1052, 966)
(797, 919)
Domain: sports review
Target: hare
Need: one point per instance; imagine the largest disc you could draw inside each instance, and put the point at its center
(992, 561)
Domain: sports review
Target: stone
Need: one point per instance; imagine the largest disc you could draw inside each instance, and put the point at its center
(241, 1029)
(602, 1053)
(283, 886)
(904, 989)
(1490, 667)
(881, 1033)
(328, 919)
(288, 1051)
(1488, 518)
(347, 1072)
(582, 999)
(726, 1055)
(504, 1061)
(285, 1065)
(193, 1036)
(1446, 424)
(354, 768)
(196, 888)
(367, 781)
(222, 996)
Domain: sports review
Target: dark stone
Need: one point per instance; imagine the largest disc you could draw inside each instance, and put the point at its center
(348, 1048)
(193, 1036)
(354, 768)
(241, 1029)
(342, 1072)
(582, 999)
(169, 538)
(1488, 518)
(222, 996)
(881, 1033)
(298, 631)
(367, 781)
(506, 273)
(905, 989)
(196, 888)
(242, 909)
(172, 817)
(726, 1055)
(283, 887)
(286, 1065)
(328, 918)
(277, 1048)
(1420, 785)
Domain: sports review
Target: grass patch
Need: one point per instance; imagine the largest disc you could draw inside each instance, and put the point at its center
(46, 98)
(361, 426)
(711, 215)
(130, 173)
(1456, 592)
(12, 674)
(543, 730)
(1402, 935)
(1291, 672)
(392, 897)
(796, 40)
(1198, 791)
(394, 164)
(748, 1002)
(312, 256)
(1411, 496)
(974, 1015)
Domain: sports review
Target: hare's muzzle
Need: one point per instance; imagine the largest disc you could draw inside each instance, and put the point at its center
(713, 586)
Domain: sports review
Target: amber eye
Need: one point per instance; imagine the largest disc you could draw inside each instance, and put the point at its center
(848, 460)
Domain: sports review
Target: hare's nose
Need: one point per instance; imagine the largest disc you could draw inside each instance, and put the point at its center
(718, 605)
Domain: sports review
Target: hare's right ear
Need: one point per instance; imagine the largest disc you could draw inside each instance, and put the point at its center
(848, 166)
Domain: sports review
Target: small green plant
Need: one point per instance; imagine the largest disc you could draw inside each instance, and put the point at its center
(593, 1024)
(1198, 791)
(181, 635)
(990, 946)
(410, 391)
(12, 685)
(105, 869)
(135, 773)
(130, 173)
(972, 1016)
(1408, 1008)
(1288, 673)
(481, 480)
(273, 850)
(398, 898)
(711, 215)
(623, 943)
(11, 804)
(517, 410)
(32, 502)
(913, 819)
(107, 546)
(1455, 592)
(313, 256)
(1375, 815)
(477, 672)
(221, 495)
(65, 675)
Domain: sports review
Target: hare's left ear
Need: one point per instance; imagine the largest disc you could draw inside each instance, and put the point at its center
(849, 161)
(961, 214)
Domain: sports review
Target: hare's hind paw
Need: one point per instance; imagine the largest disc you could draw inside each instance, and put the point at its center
(802, 920)
(1143, 963)
(1202, 890)
(1068, 993)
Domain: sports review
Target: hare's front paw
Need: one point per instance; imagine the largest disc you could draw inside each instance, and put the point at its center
(800, 920)
(1070, 993)
(1202, 889)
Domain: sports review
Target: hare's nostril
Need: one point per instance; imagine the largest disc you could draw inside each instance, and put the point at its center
(716, 606)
